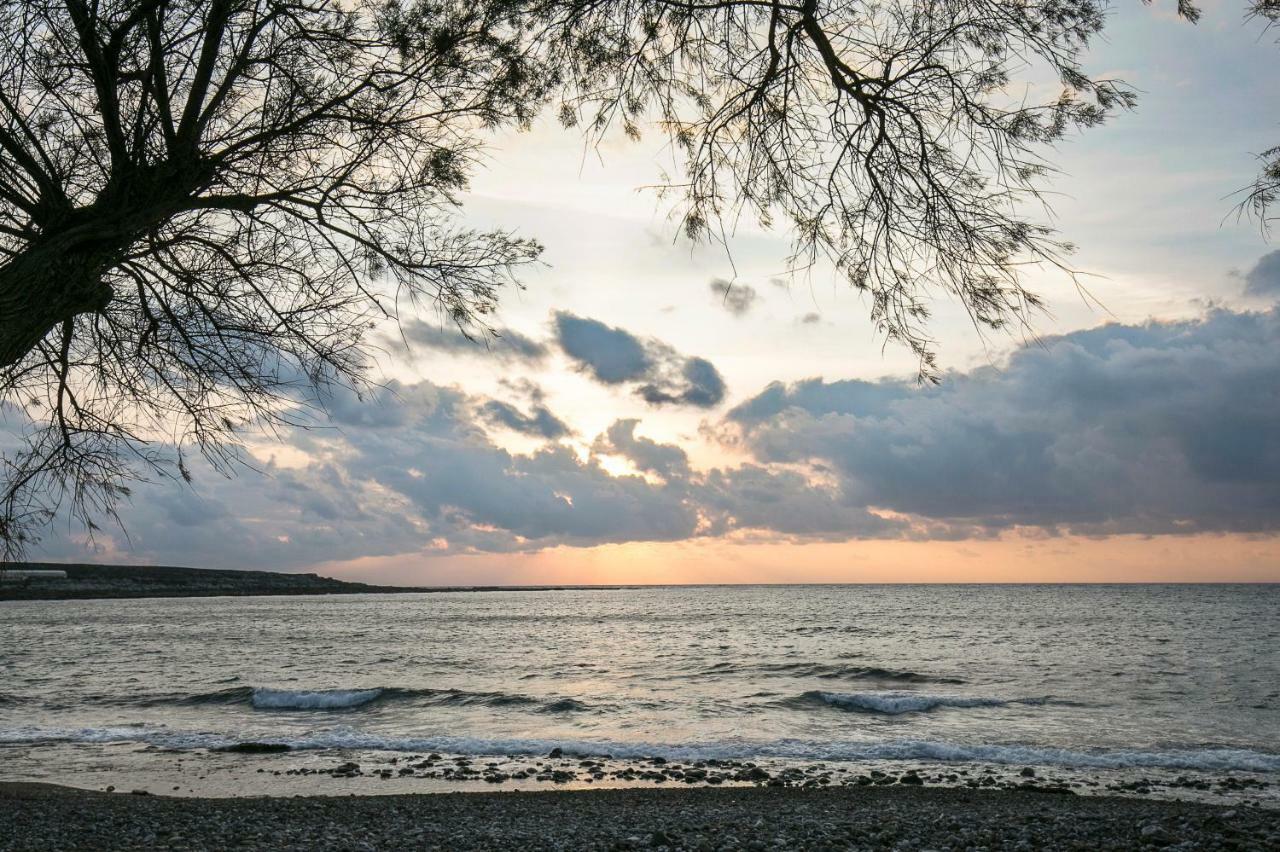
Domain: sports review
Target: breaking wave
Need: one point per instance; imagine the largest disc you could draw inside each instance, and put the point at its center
(324, 699)
(344, 738)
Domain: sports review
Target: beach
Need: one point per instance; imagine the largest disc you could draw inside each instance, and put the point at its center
(695, 718)
(37, 816)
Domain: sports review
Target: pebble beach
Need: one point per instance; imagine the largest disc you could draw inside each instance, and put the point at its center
(38, 816)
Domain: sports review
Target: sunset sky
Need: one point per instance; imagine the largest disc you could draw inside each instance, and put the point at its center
(661, 412)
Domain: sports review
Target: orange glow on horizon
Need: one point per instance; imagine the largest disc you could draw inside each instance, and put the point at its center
(1120, 559)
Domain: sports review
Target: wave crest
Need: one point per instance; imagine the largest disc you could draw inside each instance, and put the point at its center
(319, 699)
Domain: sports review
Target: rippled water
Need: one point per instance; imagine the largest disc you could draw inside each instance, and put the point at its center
(1173, 677)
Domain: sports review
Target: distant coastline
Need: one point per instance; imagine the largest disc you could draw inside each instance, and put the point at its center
(88, 581)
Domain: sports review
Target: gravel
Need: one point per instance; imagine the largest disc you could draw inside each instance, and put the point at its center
(36, 816)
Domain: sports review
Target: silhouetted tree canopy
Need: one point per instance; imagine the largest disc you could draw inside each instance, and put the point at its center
(205, 205)
(1262, 197)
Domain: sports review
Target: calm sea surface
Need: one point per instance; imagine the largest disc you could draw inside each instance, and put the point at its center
(1077, 678)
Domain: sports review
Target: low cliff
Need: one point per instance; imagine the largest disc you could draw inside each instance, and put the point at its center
(156, 581)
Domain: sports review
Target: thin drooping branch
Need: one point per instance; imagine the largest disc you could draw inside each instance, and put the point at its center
(1263, 196)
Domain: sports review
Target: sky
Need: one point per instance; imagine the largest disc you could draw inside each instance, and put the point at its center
(660, 412)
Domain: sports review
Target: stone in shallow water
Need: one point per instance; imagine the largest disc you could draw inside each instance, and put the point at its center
(254, 748)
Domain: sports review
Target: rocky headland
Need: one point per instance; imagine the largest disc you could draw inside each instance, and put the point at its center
(162, 581)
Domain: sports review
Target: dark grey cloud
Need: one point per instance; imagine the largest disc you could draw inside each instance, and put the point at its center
(1264, 278)
(781, 501)
(1160, 428)
(502, 344)
(614, 356)
(695, 382)
(610, 354)
(540, 422)
(818, 397)
(736, 298)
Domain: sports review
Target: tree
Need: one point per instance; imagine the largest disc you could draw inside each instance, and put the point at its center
(206, 204)
(1260, 198)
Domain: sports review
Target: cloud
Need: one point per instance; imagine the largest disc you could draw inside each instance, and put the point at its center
(504, 344)
(1160, 428)
(1153, 429)
(275, 518)
(474, 495)
(614, 356)
(1264, 278)
(610, 354)
(539, 423)
(423, 477)
(665, 460)
(737, 299)
(811, 318)
(698, 383)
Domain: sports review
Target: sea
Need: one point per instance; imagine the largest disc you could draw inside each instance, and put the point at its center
(1155, 690)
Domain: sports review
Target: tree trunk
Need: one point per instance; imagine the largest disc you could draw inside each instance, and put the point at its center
(51, 281)
(60, 274)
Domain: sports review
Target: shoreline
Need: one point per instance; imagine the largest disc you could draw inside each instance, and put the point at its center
(42, 816)
(267, 767)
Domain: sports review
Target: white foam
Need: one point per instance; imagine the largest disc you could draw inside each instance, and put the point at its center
(320, 699)
(1203, 759)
